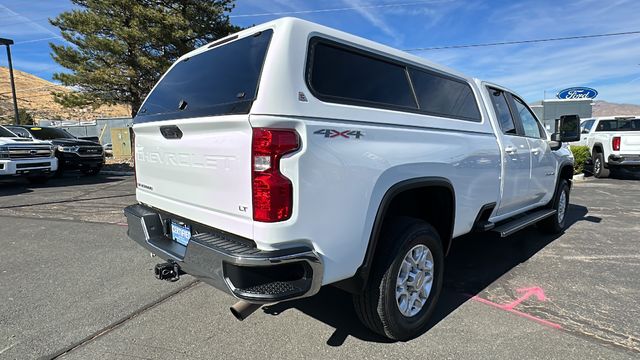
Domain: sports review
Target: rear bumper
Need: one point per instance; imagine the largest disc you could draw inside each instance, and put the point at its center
(624, 160)
(227, 262)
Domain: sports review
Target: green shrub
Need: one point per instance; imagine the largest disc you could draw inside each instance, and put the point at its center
(581, 155)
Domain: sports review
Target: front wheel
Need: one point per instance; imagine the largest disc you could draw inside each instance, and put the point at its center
(405, 282)
(555, 224)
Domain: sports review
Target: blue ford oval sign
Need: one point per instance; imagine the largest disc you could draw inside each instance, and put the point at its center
(577, 93)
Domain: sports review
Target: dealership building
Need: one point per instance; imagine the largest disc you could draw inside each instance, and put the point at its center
(570, 101)
(551, 109)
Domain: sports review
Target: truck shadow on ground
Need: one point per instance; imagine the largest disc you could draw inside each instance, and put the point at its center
(616, 173)
(22, 186)
(475, 261)
(625, 174)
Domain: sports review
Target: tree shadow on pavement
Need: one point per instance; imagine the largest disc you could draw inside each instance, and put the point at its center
(475, 261)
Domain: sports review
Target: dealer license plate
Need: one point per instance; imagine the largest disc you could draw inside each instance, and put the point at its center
(180, 233)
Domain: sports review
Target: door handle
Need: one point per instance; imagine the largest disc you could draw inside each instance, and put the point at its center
(511, 150)
(535, 151)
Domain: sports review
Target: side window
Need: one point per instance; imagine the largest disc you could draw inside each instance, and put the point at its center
(586, 126)
(440, 95)
(501, 107)
(350, 76)
(529, 122)
(605, 125)
(20, 132)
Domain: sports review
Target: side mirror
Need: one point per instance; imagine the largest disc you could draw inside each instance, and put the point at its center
(567, 129)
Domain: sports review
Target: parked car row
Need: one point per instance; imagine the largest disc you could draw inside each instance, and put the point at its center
(38, 152)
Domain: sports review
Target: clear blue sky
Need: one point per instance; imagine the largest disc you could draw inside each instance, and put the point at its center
(611, 65)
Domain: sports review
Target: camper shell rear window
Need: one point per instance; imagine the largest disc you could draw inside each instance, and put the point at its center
(222, 80)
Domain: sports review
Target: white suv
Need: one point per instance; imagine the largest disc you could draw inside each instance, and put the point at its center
(290, 156)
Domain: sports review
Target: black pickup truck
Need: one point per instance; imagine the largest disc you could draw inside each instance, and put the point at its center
(72, 153)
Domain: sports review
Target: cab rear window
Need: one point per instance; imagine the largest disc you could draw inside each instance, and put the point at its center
(619, 125)
(222, 80)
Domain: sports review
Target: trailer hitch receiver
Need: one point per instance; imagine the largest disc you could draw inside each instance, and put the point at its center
(169, 271)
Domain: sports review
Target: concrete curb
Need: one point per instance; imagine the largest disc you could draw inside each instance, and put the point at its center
(117, 173)
(579, 177)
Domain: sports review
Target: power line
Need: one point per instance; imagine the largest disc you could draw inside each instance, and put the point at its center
(25, 20)
(340, 9)
(523, 41)
(36, 40)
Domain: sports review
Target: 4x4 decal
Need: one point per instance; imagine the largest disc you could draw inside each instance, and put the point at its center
(332, 133)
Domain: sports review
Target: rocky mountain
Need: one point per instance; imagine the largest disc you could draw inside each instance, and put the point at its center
(34, 95)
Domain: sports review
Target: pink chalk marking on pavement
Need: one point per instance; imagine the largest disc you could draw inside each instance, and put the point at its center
(121, 224)
(527, 292)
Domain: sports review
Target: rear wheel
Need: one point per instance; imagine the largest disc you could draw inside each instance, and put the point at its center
(599, 170)
(405, 282)
(556, 223)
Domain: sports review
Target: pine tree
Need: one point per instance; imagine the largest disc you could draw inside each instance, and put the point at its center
(24, 117)
(119, 48)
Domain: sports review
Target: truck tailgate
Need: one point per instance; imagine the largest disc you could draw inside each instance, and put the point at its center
(203, 175)
(630, 143)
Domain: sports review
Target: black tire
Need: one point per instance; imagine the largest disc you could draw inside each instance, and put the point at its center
(376, 306)
(599, 170)
(91, 171)
(38, 179)
(555, 224)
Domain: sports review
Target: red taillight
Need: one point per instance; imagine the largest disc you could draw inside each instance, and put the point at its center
(615, 143)
(272, 191)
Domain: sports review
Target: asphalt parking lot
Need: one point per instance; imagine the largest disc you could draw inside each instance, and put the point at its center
(73, 286)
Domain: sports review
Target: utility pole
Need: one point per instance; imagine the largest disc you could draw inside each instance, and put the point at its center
(8, 43)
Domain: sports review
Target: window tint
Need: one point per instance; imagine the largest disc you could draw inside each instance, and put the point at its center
(342, 74)
(6, 133)
(619, 125)
(49, 133)
(586, 126)
(440, 95)
(502, 112)
(20, 132)
(223, 80)
(529, 122)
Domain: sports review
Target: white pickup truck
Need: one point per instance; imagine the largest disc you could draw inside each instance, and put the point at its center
(32, 159)
(613, 142)
(291, 156)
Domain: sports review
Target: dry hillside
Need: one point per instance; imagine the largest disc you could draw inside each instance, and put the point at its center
(34, 95)
(603, 108)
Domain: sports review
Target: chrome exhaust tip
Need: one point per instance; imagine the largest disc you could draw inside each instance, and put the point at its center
(242, 309)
